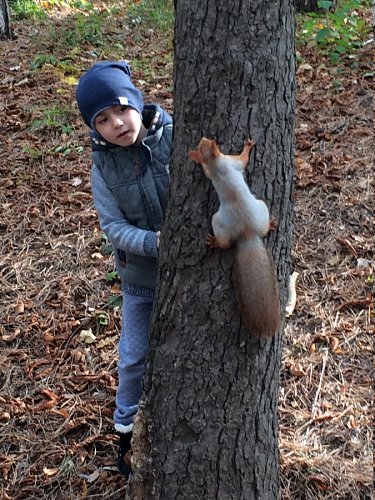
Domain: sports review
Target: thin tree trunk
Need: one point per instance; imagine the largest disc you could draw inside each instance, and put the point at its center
(5, 31)
(311, 5)
(207, 427)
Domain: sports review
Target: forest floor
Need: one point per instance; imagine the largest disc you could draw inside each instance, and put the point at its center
(56, 390)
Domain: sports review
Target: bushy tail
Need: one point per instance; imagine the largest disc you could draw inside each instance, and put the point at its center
(255, 282)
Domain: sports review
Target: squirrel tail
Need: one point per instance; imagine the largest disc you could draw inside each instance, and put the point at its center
(255, 283)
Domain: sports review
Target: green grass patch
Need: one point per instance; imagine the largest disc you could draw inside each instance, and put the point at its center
(58, 119)
(156, 14)
(99, 30)
(336, 33)
(24, 9)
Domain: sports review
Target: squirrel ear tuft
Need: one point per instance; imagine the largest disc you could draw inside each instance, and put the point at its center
(215, 149)
(208, 149)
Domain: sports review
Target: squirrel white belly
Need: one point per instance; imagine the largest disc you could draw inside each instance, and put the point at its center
(242, 220)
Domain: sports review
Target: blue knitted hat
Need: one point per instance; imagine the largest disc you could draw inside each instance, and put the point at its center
(106, 84)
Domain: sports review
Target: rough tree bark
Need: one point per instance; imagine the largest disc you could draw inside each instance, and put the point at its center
(207, 426)
(5, 31)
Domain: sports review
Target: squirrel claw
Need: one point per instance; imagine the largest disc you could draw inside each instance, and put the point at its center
(211, 241)
(274, 223)
(250, 143)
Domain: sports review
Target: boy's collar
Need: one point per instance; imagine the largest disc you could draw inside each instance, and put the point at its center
(152, 117)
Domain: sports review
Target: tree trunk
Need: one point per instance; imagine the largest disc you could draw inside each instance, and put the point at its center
(207, 426)
(5, 31)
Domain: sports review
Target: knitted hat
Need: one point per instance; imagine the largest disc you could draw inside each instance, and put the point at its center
(106, 84)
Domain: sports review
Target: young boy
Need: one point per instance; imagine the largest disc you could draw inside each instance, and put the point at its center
(131, 145)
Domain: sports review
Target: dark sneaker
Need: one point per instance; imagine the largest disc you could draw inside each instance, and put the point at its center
(125, 454)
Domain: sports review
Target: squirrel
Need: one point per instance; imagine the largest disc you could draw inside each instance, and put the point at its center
(242, 220)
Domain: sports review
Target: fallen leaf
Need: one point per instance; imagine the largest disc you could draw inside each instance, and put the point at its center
(325, 416)
(334, 343)
(47, 405)
(304, 67)
(333, 261)
(320, 482)
(346, 243)
(363, 263)
(20, 308)
(362, 303)
(352, 423)
(9, 337)
(96, 255)
(22, 82)
(90, 478)
(50, 394)
(77, 181)
(297, 370)
(50, 472)
(62, 412)
(5, 473)
(292, 294)
(87, 336)
(70, 80)
(106, 341)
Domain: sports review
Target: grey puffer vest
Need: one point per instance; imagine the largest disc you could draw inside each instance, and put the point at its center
(139, 180)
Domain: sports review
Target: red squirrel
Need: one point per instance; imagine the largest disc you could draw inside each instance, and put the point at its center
(242, 220)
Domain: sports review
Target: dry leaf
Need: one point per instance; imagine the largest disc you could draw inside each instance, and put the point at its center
(50, 472)
(62, 412)
(346, 243)
(90, 478)
(106, 341)
(84, 489)
(362, 303)
(320, 482)
(47, 405)
(87, 336)
(50, 394)
(352, 423)
(97, 255)
(5, 473)
(334, 343)
(305, 67)
(363, 263)
(325, 416)
(297, 370)
(292, 294)
(77, 181)
(9, 337)
(70, 80)
(333, 261)
(20, 308)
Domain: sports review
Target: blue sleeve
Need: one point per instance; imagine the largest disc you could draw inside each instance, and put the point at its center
(118, 230)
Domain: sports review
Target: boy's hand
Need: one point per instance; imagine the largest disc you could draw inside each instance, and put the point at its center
(157, 238)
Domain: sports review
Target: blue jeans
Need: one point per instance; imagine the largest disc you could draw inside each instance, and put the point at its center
(132, 350)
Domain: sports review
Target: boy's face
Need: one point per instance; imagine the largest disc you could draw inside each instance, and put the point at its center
(119, 125)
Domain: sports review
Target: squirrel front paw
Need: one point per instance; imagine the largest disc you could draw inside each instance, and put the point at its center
(273, 224)
(211, 241)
